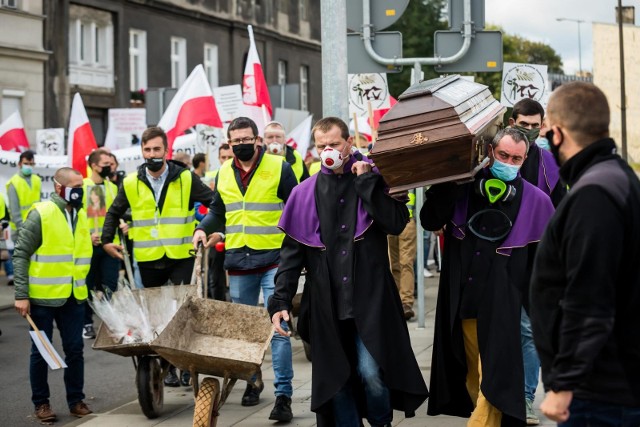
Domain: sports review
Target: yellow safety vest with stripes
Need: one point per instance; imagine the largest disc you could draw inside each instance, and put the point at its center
(27, 194)
(252, 219)
(61, 263)
(314, 168)
(106, 191)
(169, 231)
(411, 204)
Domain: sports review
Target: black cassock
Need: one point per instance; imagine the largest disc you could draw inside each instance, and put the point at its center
(337, 228)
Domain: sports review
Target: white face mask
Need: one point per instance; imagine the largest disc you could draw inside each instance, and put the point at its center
(276, 148)
(331, 158)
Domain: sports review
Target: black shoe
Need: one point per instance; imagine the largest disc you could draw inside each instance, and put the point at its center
(88, 333)
(171, 380)
(10, 282)
(282, 409)
(251, 396)
(185, 378)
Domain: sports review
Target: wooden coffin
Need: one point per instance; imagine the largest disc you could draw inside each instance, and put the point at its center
(436, 133)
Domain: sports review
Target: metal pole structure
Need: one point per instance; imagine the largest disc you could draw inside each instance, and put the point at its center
(623, 97)
(334, 53)
(577, 21)
(417, 71)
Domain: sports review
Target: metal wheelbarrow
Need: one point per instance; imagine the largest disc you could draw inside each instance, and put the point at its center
(215, 338)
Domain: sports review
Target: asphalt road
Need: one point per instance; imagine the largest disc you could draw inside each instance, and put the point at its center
(109, 379)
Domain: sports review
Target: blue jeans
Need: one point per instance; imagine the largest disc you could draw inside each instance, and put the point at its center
(589, 413)
(68, 319)
(246, 290)
(377, 396)
(529, 357)
(8, 265)
(427, 245)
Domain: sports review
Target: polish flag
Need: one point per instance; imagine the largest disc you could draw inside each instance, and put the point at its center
(81, 140)
(300, 137)
(12, 134)
(256, 103)
(378, 114)
(192, 105)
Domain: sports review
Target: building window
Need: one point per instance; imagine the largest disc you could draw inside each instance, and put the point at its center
(90, 47)
(11, 102)
(211, 64)
(137, 60)
(304, 88)
(304, 10)
(282, 73)
(13, 4)
(178, 61)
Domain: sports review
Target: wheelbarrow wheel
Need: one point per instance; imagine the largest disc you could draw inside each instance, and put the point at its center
(205, 413)
(150, 386)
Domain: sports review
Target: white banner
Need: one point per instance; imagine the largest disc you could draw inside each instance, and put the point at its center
(50, 142)
(125, 125)
(521, 81)
(228, 101)
(46, 166)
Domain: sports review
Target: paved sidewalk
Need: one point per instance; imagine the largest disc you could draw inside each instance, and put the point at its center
(179, 403)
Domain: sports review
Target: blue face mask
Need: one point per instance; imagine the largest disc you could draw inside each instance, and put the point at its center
(543, 143)
(504, 171)
(26, 170)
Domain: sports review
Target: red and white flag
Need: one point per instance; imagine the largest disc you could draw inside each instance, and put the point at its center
(81, 140)
(192, 105)
(12, 134)
(256, 103)
(378, 114)
(300, 137)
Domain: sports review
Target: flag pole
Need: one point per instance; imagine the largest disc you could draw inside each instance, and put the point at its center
(374, 131)
(44, 342)
(355, 125)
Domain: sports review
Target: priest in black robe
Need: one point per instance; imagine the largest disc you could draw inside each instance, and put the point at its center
(336, 225)
(492, 226)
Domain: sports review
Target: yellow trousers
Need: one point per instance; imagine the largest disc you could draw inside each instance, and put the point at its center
(402, 255)
(484, 414)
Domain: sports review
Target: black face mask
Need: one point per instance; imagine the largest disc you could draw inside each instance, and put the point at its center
(105, 172)
(244, 152)
(154, 165)
(555, 149)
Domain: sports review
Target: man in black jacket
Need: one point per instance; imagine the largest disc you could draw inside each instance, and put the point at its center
(585, 291)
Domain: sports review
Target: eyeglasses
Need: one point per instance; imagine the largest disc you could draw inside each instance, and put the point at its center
(245, 140)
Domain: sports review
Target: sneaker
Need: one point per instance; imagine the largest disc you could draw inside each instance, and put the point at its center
(185, 378)
(427, 273)
(282, 409)
(251, 396)
(532, 418)
(80, 410)
(408, 312)
(10, 282)
(171, 380)
(44, 413)
(88, 333)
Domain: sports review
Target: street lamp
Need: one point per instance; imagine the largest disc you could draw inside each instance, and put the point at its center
(578, 21)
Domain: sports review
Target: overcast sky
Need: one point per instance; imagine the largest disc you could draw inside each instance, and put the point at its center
(536, 20)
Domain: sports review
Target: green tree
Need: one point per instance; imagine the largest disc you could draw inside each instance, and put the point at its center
(417, 25)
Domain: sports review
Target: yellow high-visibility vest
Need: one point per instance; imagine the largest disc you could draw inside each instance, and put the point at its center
(3, 207)
(314, 168)
(298, 165)
(156, 233)
(411, 204)
(27, 194)
(61, 263)
(252, 219)
(107, 192)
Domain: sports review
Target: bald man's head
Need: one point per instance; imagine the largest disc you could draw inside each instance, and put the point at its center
(582, 110)
(68, 177)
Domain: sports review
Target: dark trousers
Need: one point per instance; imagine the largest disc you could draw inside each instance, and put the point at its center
(589, 413)
(102, 275)
(68, 319)
(217, 279)
(158, 273)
